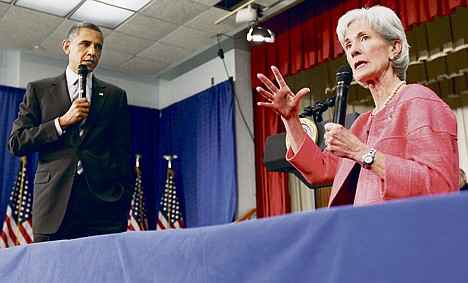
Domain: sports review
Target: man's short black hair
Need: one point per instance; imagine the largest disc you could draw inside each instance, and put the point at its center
(74, 30)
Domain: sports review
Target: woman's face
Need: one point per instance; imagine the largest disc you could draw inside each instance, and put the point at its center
(367, 53)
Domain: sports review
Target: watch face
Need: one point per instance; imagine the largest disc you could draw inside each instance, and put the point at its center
(368, 159)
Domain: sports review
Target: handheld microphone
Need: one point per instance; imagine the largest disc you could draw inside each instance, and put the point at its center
(344, 76)
(82, 74)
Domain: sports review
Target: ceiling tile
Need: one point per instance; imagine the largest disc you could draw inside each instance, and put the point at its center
(52, 47)
(165, 53)
(101, 14)
(61, 32)
(206, 20)
(26, 28)
(124, 43)
(113, 59)
(3, 9)
(267, 3)
(206, 2)
(20, 39)
(188, 38)
(22, 18)
(175, 11)
(54, 7)
(141, 65)
(134, 5)
(147, 27)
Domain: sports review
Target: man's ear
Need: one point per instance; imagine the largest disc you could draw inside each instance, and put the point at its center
(66, 46)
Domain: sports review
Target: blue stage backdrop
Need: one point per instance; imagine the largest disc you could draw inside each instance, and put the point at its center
(145, 128)
(199, 130)
(10, 98)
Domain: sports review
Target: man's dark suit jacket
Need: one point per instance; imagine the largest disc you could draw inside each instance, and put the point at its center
(104, 148)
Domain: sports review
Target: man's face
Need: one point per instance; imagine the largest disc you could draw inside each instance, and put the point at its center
(84, 47)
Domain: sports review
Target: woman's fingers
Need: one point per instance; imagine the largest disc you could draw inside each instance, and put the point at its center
(303, 92)
(279, 77)
(268, 83)
(281, 99)
(264, 93)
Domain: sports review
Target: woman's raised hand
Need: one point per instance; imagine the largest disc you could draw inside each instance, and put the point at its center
(282, 100)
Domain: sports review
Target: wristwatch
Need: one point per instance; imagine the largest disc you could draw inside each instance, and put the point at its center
(368, 158)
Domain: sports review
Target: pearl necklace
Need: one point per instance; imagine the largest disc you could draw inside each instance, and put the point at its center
(390, 97)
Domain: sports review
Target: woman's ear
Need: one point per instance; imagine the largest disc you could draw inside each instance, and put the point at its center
(395, 49)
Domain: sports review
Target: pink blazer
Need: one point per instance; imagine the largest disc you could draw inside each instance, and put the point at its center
(418, 133)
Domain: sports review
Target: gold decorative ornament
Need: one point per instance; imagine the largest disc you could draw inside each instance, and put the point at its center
(309, 127)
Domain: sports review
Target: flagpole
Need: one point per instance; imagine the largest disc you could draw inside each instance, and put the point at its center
(140, 193)
(169, 159)
(20, 199)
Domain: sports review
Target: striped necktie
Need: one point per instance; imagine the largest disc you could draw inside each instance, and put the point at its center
(79, 166)
(76, 92)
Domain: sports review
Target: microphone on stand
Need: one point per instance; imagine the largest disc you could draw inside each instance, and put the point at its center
(344, 76)
(82, 74)
(317, 110)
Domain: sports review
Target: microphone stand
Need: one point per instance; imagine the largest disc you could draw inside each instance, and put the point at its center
(317, 110)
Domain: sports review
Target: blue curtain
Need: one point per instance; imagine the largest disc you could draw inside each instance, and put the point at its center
(200, 131)
(145, 128)
(10, 98)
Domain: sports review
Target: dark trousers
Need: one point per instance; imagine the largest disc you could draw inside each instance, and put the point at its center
(87, 215)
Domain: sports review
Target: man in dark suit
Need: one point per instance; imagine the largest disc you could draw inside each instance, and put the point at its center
(84, 178)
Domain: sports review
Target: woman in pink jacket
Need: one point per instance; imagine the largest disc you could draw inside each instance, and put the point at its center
(406, 146)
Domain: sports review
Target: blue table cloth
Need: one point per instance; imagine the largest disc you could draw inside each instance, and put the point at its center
(412, 240)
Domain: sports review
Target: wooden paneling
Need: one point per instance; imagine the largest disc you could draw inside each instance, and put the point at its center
(322, 195)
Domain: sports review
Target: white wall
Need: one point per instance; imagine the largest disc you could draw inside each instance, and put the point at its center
(245, 145)
(9, 67)
(196, 80)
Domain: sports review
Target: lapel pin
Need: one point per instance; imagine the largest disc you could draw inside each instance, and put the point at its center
(101, 94)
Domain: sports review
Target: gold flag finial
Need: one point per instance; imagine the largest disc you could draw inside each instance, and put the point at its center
(138, 159)
(169, 159)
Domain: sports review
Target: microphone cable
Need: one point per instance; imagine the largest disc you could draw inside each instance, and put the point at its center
(221, 55)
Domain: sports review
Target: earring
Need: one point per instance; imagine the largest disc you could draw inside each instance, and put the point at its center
(392, 57)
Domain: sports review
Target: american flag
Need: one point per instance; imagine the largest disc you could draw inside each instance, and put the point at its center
(17, 227)
(169, 207)
(137, 220)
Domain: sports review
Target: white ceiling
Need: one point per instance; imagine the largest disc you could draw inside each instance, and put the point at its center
(162, 35)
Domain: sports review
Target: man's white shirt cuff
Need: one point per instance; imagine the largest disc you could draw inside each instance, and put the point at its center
(57, 126)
